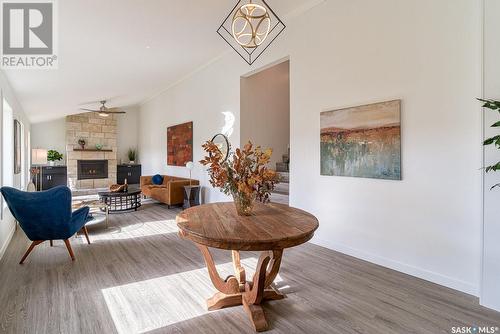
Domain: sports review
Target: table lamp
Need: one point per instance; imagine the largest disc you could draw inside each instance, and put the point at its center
(39, 158)
(190, 166)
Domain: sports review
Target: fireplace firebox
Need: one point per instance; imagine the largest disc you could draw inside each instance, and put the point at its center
(92, 169)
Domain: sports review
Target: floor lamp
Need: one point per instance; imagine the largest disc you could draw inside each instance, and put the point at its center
(190, 166)
(39, 158)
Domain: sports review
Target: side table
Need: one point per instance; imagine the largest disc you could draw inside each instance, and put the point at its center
(191, 196)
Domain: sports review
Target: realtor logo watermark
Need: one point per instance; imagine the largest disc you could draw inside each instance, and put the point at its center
(29, 34)
(475, 330)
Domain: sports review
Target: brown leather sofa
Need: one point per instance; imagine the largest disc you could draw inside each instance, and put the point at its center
(170, 192)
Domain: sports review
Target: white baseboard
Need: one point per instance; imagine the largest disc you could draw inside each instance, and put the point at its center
(424, 274)
(492, 304)
(7, 241)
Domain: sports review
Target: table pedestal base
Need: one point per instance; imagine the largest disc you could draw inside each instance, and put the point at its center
(221, 300)
(235, 290)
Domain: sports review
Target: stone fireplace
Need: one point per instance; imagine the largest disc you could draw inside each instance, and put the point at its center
(91, 168)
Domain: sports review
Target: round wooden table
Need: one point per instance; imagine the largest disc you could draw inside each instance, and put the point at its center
(270, 229)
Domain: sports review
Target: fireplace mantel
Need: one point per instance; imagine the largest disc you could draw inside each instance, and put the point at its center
(90, 150)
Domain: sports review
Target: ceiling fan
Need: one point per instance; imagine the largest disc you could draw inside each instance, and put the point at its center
(105, 111)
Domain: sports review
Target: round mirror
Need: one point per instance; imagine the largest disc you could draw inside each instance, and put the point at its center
(222, 143)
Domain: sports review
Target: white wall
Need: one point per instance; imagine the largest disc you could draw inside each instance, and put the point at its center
(7, 224)
(426, 53)
(345, 53)
(265, 110)
(490, 293)
(50, 135)
(203, 100)
(128, 133)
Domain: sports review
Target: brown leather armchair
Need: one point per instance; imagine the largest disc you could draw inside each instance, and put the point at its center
(170, 192)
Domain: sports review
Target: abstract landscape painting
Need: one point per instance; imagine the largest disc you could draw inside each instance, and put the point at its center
(362, 141)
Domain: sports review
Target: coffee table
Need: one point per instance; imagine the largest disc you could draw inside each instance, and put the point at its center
(271, 229)
(121, 201)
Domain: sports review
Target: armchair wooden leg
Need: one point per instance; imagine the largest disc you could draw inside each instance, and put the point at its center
(33, 244)
(70, 251)
(86, 234)
(51, 243)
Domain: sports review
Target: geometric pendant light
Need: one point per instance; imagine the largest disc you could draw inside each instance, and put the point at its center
(250, 28)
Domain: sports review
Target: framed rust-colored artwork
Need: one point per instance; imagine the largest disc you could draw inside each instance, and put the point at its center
(180, 144)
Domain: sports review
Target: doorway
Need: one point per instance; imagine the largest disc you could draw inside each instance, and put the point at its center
(265, 118)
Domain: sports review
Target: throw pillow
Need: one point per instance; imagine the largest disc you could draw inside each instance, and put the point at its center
(157, 179)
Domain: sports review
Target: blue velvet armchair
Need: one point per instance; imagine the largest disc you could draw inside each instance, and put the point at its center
(46, 215)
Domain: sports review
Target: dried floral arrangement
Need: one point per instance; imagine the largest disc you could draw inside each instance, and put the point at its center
(244, 174)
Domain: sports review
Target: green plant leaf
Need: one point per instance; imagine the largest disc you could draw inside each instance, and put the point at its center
(53, 155)
(496, 124)
(132, 154)
(491, 104)
(493, 168)
(491, 140)
(496, 185)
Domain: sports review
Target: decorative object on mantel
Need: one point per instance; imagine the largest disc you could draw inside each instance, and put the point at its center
(495, 106)
(180, 144)
(362, 141)
(244, 174)
(98, 147)
(132, 155)
(190, 166)
(82, 143)
(53, 156)
(250, 28)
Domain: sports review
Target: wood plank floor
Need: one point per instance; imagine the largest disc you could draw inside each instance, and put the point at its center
(138, 276)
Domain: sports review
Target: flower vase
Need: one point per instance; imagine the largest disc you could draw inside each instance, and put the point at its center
(244, 203)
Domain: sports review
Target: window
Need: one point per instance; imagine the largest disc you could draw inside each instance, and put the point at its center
(7, 145)
(27, 149)
(23, 158)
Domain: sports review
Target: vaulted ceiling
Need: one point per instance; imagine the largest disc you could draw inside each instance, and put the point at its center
(126, 50)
